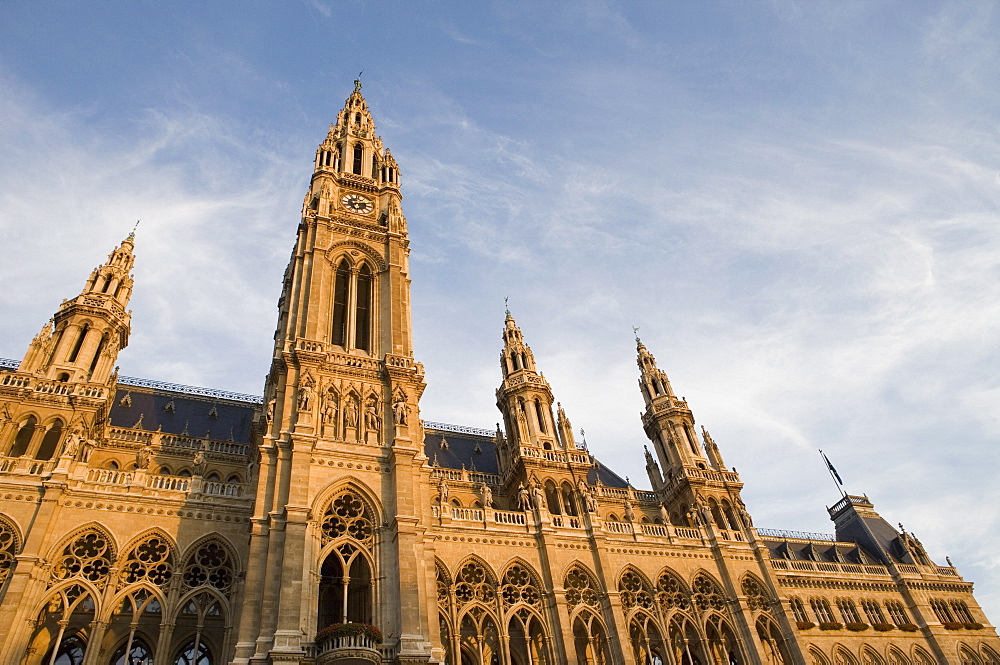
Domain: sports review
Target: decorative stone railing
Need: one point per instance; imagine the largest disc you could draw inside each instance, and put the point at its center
(509, 517)
(170, 483)
(468, 514)
(796, 535)
(109, 477)
(23, 465)
(654, 530)
(828, 567)
(223, 489)
(464, 475)
(49, 387)
(458, 429)
(618, 527)
(347, 648)
(133, 435)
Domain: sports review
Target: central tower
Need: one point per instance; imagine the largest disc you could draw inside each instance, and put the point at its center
(339, 478)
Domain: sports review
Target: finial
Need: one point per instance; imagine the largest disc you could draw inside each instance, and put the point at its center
(506, 304)
(131, 236)
(636, 332)
(357, 81)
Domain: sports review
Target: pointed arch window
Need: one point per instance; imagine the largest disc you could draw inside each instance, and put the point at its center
(541, 416)
(97, 352)
(353, 306)
(359, 154)
(50, 441)
(79, 343)
(23, 437)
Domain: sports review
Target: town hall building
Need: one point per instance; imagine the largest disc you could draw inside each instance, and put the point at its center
(326, 521)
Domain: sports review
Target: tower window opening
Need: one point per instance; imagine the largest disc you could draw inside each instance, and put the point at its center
(23, 437)
(79, 343)
(362, 331)
(336, 157)
(50, 441)
(340, 304)
(375, 169)
(359, 153)
(97, 352)
(107, 284)
(357, 118)
(541, 416)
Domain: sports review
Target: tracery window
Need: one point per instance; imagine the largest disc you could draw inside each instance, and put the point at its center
(9, 548)
(671, 593)
(520, 586)
(88, 556)
(897, 657)
(210, 565)
(479, 638)
(23, 437)
(870, 657)
(346, 589)
(50, 441)
(590, 639)
(873, 611)
(798, 610)
(581, 588)
(821, 608)
(941, 611)
(62, 624)
(897, 612)
(635, 591)
(848, 610)
(685, 642)
(961, 611)
(357, 287)
(194, 654)
(757, 596)
(968, 657)
(647, 642)
(775, 650)
(151, 560)
(134, 652)
(527, 639)
(722, 643)
(474, 583)
(201, 619)
(707, 594)
(843, 657)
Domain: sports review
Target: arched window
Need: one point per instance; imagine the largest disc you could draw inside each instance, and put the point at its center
(352, 326)
(567, 499)
(775, 650)
(23, 437)
(188, 655)
(359, 153)
(362, 328)
(133, 652)
(552, 498)
(10, 547)
(340, 296)
(97, 352)
(79, 343)
(541, 416)
(50, 441)
(798, 610)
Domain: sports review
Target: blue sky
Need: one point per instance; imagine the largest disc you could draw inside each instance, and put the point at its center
(795, 202)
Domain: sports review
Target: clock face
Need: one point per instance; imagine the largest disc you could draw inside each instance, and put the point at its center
(357, 203)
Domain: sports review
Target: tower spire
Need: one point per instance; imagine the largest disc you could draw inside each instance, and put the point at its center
(81, 342)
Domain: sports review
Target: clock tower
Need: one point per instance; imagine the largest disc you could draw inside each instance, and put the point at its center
(340, 493)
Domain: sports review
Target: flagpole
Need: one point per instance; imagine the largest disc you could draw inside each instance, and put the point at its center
(834, 476)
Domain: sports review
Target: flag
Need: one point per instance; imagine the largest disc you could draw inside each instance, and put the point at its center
(832, 469)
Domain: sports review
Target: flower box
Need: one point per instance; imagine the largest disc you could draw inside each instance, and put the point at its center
(804, 625)
(952, 625)
(908, 627)
(975, 625)
(350, 630)
(830, 625)
(856, 626)
(883, 627)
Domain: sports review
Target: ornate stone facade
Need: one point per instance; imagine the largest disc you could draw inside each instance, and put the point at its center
(327, 523)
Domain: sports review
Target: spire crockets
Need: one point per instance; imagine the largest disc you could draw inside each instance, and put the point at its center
(81, 342)
(667, 419)
(524, 397)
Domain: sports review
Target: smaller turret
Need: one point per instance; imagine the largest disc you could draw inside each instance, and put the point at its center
(81, 342)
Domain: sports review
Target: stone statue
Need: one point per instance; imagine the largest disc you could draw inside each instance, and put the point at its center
(269, 415)
(487, 496)
(199, 463)
(352, 413)
(443, 491)
(143, 458)
(629, 513)
(591, 501)
(523, 498)
(72, 446)
(539, 496)
(399, 410)
(330, 412)
(372, 421)
(664, 515)
(305, 397)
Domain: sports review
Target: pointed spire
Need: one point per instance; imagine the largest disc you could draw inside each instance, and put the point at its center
(653, 381)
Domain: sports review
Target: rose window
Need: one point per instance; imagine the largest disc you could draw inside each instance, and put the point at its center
(347, 516)
(519, 586)
(757, 598)
(705, 594)
(8, 548)
(635, 591)
(89, 556)
(211, 566)
(671, 593)
(473, 583)
(581, 589)
(150, 560)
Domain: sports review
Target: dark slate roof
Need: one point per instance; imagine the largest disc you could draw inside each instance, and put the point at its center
(231, 419)
(479, 453)
(819, 551)
(476, 453)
